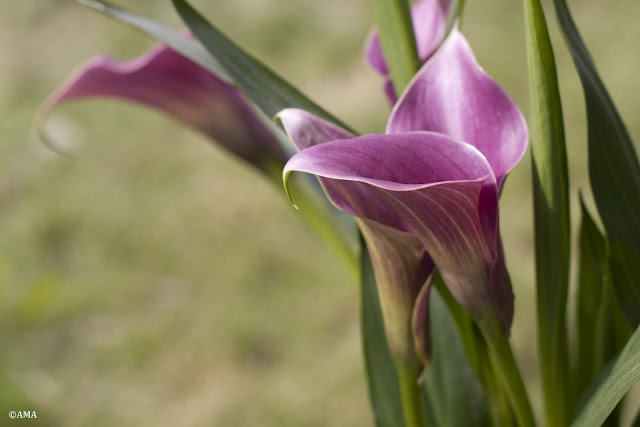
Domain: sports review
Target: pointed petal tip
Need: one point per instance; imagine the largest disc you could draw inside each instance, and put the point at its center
(453, 95)
(286, 173)
(373, 55)
(61, 95)
(305, 129)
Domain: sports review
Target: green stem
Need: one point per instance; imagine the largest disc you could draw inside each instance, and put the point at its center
(507, 370)
(500, 411)
(410, 393)
(475, 345)
(552, 219)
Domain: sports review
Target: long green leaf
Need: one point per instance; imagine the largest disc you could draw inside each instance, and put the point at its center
(177, 41)
(601, 329)
(624, 374)
(591, 308)
(614, 171)
(551, 209)
(270, 92)
(450, 382)
(398, 41)
(382, 378)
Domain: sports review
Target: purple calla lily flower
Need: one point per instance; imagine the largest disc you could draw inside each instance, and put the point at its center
(427, 190)
(429, 19)
(166, 81)
(400, 263)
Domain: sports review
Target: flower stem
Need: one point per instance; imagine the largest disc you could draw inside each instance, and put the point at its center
(500, 410)
(408, 374)
(507, 370)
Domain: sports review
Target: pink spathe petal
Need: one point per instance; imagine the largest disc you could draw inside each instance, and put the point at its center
(168, 82)
(306, 130)
(452, 95)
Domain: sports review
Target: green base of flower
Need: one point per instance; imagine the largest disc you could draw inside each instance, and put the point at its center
(410, 394)
(504, 364)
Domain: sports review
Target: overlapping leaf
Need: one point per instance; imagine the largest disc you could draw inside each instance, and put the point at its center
(551, 209)
(624, 374)
(269, 91)
(601, 328)
(176, 40)
(614, 172)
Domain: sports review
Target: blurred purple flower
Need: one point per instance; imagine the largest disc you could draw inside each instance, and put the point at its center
(427, 189)
(166, 81)
(429, 23)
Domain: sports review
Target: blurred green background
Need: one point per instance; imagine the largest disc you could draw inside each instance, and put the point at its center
(155, 280)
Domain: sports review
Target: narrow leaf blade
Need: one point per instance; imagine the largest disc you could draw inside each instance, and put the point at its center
(589, 303)
(270, 92)
(177, 41)
(597, 312)
(614, 171)
(624, 374)
(395, 29)
(551, 208)
(454, 13)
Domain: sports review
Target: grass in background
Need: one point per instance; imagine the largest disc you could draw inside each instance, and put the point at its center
(154, 280)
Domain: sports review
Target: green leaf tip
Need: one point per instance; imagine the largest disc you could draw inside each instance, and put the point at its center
(624, 374)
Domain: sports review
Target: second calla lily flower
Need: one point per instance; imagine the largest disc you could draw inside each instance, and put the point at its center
(168, 82)
(429, 24)
(427, 189)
